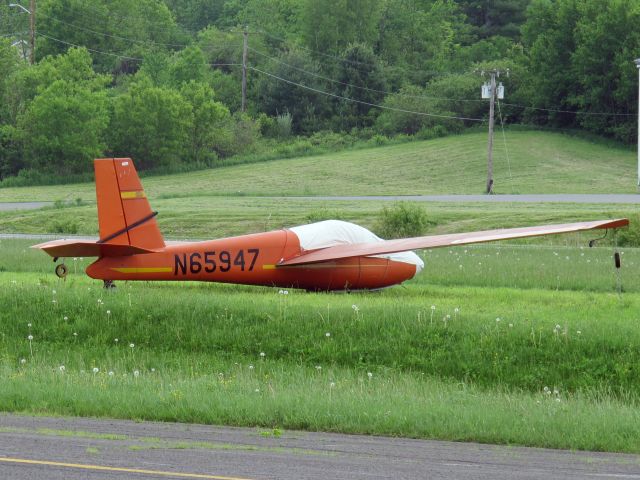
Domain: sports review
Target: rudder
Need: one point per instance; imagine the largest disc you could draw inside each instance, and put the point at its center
(124, 214)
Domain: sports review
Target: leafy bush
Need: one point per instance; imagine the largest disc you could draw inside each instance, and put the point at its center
(284, 124)
(403, 219)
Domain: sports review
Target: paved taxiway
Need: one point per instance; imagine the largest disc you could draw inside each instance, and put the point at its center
(79, 448)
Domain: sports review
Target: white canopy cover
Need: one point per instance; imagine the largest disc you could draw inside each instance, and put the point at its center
(330, 233)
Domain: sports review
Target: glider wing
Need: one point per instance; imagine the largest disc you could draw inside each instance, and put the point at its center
(434, 241)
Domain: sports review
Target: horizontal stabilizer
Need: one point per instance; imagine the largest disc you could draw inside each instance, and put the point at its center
(405, 244)
(74, 248)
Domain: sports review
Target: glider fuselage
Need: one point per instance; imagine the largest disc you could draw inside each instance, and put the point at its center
(252, 260)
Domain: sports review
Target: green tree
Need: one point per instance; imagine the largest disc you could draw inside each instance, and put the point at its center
(123, 30)
(63, 128)
(150, 124)
(210, 130)
(331, 25)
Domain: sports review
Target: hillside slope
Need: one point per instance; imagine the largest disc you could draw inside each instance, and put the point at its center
(539, 162)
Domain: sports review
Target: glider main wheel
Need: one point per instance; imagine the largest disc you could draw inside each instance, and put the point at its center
(109, 285)
(61, 270)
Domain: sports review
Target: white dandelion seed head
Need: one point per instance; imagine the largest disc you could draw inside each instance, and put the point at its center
(23, 361)
(108, 312)
(332, 384)
(131, 345)
(511, 325)
(498, 320)
(456, 310)
(369, 374)
(96, 369)
(286, 292)
(65, 318)
(262, 354)
(558, 399)
(318, 367)
(111, 373)
(136, 373)
(546, 389)
(61, 368)
(433, 307)
(250, 367)
(30, 337)
(153, 370)
(53, 292)
(558, 327)
(29, 325)
(75, 334)
(328, 334)
(54, 301)
(257, 390)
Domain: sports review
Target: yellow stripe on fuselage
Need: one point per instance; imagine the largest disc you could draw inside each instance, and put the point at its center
(143, 269)
(132, 194)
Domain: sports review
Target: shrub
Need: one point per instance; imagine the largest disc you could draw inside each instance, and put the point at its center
(64, 226)
(324, 214)
(630, 236)
(401, 220)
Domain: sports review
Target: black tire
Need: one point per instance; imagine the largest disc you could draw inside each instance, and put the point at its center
(61, 270)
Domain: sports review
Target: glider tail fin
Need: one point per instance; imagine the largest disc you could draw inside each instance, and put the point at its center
(124, 214)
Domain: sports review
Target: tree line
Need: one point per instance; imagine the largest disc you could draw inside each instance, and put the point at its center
(160, 80)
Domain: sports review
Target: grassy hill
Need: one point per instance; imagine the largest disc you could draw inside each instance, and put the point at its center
(539, 162)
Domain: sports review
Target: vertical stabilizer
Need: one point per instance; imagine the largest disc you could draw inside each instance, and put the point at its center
(124, 214)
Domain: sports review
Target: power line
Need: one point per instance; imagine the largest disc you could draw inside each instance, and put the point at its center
(576, 112)
(126, 57)
(384, 107)
(317, 75)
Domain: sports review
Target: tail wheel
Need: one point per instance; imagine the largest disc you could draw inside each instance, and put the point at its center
(61, 270)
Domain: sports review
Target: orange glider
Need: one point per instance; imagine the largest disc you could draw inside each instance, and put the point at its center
(330, 255)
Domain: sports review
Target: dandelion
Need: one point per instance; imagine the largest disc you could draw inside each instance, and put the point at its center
(546, 390)
(257, 390)
(498, 320)
(53, 292)
(250, 367)
(433, 307)
(511, 325)
(29, 325)
(65, 318)
(328, 334)
(30, 337)
(131, 345)
(558, 399)
(558, 327)
(96, 370)
(579, 332)
(262, 354)
(136, 373)
(332, 384)
(318, 367)
(286, 292)
(370, 375)
(75, 334)
(280, 292)
(108, 312)
(115, 340)
(355, 308)
(61, 368)
(153, 370)
(23, 361)
(111, 373)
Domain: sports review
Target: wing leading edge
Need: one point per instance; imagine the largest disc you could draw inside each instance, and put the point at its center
(434, 241)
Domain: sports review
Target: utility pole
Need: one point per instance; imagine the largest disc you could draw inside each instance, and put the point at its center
(245, 45)
(32, 31)
(491, 91)
(32, 27)
(492, 101)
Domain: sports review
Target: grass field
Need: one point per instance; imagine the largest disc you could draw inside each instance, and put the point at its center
(558, 369)
(539, 162)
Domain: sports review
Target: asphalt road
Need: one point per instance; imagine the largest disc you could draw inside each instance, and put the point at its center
(79, 448)
(23, 205)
